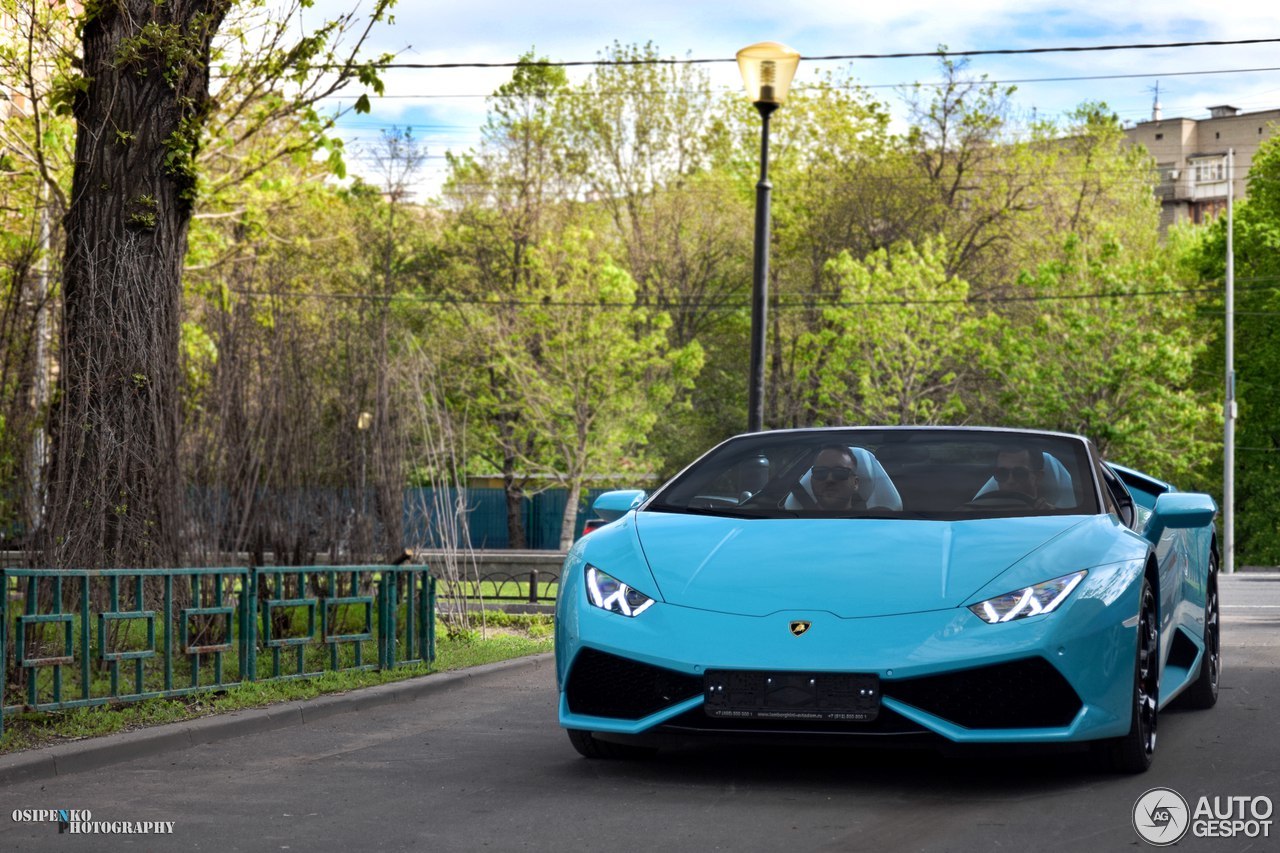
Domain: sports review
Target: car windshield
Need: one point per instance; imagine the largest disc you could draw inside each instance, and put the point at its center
(945, 474)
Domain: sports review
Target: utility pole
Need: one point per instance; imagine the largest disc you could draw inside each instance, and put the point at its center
(1230, 412)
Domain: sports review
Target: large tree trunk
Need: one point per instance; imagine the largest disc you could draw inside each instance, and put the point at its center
(115, 488)
(514, 492)
(570, 518)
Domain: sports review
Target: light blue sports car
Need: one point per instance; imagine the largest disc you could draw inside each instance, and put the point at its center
(953, 585)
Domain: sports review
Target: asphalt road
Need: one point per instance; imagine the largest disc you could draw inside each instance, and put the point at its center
(484, 767)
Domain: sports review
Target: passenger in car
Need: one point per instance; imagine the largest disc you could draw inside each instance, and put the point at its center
(1019, 470)
(834, 479)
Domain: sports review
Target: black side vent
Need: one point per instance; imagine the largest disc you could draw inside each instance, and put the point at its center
(605, 685)
(1182, 651)
(1025, 694)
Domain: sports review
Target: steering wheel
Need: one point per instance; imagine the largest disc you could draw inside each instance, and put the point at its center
(1004, 494)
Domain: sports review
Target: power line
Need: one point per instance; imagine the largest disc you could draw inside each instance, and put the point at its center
(1032, 50)
(1095, 77)
(851, 86)
(547, 63)
(720, 187)
(782, 304)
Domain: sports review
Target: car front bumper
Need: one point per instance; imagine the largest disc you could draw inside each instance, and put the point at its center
(1066, 676)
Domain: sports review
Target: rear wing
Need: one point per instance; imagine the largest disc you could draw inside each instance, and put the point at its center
(1144, 488)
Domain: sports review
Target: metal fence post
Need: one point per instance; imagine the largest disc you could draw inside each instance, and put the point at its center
(431, 620)
(249, 635)
(384, 618)
(533, 587)
(4, 649)
(393, 608)
(19, 641)
(426, 617)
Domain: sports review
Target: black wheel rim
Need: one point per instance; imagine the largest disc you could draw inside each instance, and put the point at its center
(1148, 671)
(1211, 643)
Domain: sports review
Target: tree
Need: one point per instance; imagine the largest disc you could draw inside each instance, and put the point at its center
(398, 159)
(1257, 352)
(523, 168)
(505, 197)
(35, 154)
(1109, 351)
(652, 135)
(897, 344)
(840, 191)
(647, 132)
(840, 184)
(593, 367)
(142, 105)
(138, 108)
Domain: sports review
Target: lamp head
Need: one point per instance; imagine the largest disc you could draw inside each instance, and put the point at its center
(767, 69)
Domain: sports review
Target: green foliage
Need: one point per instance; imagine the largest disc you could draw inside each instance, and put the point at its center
(583, 282)
(174, 50)
(640, 124)
(35, 146)
(897, 344)
(65, 93)
(1104, 359)
(592, 413)
(199, 358)
(271, 108)
(1257, 351)
(652, 143)
(142, 211)
(181, 149)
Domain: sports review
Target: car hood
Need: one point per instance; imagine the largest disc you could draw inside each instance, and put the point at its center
(848, 567)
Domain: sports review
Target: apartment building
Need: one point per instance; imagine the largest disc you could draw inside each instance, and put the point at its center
(1191, 155)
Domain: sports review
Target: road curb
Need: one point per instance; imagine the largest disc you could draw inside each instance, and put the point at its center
(93, 753)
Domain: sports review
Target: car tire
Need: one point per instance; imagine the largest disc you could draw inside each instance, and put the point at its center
(1133, 752)
(1203, 693)
(589, 746)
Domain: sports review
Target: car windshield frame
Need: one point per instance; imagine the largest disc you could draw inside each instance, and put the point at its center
(937, 473)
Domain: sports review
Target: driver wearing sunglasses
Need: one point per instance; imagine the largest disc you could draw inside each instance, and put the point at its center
(834, 479)
(1019, 470)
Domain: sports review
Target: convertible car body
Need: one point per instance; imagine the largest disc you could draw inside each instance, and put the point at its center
(953, 585)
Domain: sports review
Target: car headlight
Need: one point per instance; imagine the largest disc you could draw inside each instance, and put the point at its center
(609, 593)
(1032, 601)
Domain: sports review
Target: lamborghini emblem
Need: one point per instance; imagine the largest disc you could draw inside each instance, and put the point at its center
(799, 626)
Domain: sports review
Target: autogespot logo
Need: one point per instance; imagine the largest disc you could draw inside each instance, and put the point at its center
(1160, 816)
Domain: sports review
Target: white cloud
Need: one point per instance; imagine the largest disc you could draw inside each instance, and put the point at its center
(500, 30)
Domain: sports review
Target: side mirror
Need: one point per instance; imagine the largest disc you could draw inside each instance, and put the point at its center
(1178, 511)
(614, 505)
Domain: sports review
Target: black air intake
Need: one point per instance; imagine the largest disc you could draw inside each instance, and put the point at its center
(1025, 694)
(605, 685)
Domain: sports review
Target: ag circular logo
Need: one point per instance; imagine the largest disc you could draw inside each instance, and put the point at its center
(1161, 817)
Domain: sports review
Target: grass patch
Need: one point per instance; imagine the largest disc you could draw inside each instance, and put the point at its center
(501, 623)
(509, 636)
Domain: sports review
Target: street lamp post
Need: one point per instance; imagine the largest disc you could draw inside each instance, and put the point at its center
(767, 69)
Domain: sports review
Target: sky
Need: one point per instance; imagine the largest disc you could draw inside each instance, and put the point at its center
(445, 108)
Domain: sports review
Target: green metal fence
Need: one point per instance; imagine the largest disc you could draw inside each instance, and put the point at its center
(84, 638)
